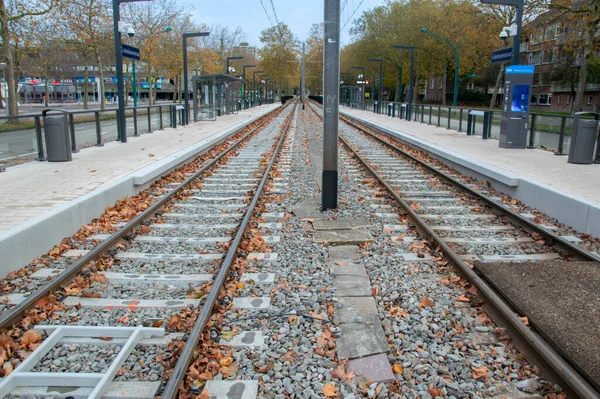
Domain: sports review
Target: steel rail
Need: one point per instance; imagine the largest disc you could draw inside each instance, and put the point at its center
(559, 369)
(550, 238)
(171, 390)
(15, 314)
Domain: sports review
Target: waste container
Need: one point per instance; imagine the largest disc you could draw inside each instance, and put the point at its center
(583, 138)
(56, 133)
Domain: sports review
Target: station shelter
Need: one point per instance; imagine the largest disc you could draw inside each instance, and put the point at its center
(215, 95)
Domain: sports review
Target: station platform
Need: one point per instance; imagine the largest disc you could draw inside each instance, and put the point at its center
(538, 178)
(42, 202)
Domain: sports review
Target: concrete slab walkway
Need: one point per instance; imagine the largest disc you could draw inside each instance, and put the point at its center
(41, 199)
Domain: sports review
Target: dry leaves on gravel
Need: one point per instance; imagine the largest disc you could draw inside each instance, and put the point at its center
(330, 390)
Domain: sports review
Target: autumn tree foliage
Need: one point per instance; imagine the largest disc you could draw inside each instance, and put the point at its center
(280, 54)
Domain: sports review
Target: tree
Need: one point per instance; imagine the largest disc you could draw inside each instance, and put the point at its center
(12, 11)
(89, 25)
(280, 50)
(584, 16)
(314, 57)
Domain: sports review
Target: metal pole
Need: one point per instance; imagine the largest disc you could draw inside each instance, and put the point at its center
(517, 38)
(456, 76)
(121, 129)
(411, 78)
(186, 99)
(331, 88)
(303, 77)
(135, 100)
(380, 83)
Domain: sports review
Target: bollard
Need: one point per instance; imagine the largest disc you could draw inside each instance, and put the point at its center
(449, 115)
(149, 121)
(439, 116)
(135, 127)
(72, 130)
(38, 137)
(532, 132)
(161, 127)
(99, 142)
(460, 120)
(561, 137)
(486, 120)
(470, 124)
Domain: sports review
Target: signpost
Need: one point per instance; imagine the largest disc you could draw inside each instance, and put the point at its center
(503, 55)
(130, 52)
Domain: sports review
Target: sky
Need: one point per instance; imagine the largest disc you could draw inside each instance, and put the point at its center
(299, 15)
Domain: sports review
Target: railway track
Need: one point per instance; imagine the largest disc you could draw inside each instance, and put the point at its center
(469, 227)
(170, 262)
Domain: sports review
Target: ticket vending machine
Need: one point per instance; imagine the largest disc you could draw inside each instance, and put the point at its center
(515, 118)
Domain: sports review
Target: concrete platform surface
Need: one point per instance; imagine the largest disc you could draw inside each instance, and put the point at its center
(540, 179)
(42, 202)
(561, 298)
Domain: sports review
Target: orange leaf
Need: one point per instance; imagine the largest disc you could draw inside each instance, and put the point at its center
(397, 368)
(463, 298)
(426, 302)
(480, 373)
(341, 263)
(435, 391)
(330, 390)
(415, 206)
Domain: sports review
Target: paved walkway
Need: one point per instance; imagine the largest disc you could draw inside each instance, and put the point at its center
(581, 181)
(35, 188)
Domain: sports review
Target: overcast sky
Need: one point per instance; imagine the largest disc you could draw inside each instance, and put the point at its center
(299, 15)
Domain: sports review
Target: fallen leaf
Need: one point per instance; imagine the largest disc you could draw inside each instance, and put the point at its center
(230, 370)
(415, 206)
(150, 155)
(330, 390)
(204, 394)
(435, 392)
(341, 263)
(30, 337)
(92, 171)
(106, 338)
(426, 302)
(463, 298)
(397, 368)
(480, 373)
(228, 335)
(525, 320)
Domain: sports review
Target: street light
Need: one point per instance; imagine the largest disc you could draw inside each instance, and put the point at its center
(519, 4)
(186, 94)
(239, 57)
(244, 72)
(457, 52)
(380, 79)
(471, 76)
(410, 79)
(254, 86)
(261, 81)
(121, 126)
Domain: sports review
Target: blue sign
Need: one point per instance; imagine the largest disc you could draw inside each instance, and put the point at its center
(520, 70)
(520, 98)
(130, 52)
(145, 85)
(503, 55)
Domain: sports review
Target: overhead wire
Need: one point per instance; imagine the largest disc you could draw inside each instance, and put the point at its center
(353, 12)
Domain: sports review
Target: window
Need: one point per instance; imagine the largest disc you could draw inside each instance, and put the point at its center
(550, 33)
(471, 86)
(568, 100)
(536, 36)
(535, 57)
(441, 83)
(533, 99)
(544, 99)
(548, 56)
(590, 99)
(559, 99)
(432, 84)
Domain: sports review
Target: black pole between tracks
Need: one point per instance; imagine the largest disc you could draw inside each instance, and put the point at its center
(172, 388)
(16, 313)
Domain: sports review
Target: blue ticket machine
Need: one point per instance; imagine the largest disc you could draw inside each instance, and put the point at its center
(517, 93)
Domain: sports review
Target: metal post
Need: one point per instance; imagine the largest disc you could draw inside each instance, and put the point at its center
(532, 132)
(72, 130)
(149, 120)
(303, 77)
(186, 90)
(561, 137)
(98, 129)
(517, 38)
(331, 88)
(460, 120)
(161, 118)
(439, 116)
(135, 127)
(134, 86)
(39, 139)
(121, 129)
(457, 50)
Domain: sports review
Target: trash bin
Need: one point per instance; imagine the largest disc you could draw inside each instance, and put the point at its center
(583, 138)
(56, 133)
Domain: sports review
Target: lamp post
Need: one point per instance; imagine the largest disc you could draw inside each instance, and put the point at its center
(457, 53)
(245, 87)
(471, 76)
(362, 94)
(380, 80)
(519, 4)
(254, 86)
(121, 123)
(410, 79)
(186, 90)
(260, 83)
(239, 57)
